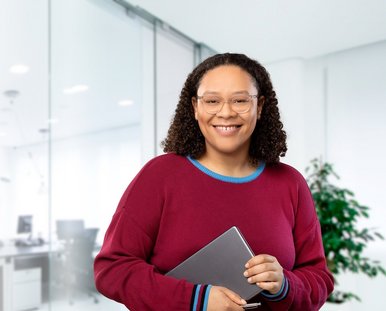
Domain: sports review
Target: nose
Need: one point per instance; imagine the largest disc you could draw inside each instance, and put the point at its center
(226, 111)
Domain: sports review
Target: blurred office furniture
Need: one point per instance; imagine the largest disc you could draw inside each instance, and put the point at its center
(24, 226)
(24, 274)
(24, 269)
(27, 288)
(68, 229)
(77, 274)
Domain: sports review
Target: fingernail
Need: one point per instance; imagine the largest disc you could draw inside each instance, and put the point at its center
(246, 273)
(247, 265)
(243, 302)
(250, 280)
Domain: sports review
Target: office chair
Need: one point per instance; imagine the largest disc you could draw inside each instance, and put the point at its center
(78, 265)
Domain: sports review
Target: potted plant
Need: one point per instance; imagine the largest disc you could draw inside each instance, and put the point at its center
(344, 242)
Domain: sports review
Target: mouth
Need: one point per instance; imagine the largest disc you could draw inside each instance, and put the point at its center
(226, 127)
(226, 130)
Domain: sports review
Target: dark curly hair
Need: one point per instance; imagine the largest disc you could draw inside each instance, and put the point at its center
(268, 140)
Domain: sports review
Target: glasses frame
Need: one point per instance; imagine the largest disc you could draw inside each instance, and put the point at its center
(251, 96)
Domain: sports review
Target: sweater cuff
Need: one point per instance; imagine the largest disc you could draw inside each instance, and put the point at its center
(280, 295)
(200, 296)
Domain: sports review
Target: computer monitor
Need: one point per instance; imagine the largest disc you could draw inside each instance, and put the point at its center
(24, 224)
(69, 229)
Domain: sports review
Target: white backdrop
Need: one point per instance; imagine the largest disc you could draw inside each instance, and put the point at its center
(334, 107)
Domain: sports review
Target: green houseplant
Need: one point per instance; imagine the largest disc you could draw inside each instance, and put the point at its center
(343, 241)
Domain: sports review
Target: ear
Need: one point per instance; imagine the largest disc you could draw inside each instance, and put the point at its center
(194, 104)
(260, 104)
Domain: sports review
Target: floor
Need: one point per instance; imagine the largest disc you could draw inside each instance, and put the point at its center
(83, 304)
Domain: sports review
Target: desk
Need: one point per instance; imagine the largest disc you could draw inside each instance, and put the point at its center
(14, 259)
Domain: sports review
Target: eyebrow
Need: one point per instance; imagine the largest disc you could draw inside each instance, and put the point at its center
(218, 93)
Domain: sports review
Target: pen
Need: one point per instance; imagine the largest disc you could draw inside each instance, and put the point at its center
(249, 306)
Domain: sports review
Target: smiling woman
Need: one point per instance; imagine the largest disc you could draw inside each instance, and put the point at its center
(228, 131)
(228, 75)
(221, 170)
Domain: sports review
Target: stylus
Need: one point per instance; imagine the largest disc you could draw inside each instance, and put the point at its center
(249, 306)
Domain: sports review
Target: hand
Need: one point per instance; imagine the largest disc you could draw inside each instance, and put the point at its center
(223, 299)
(266, 272)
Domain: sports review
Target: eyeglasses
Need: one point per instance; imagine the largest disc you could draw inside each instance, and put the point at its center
(240, 103)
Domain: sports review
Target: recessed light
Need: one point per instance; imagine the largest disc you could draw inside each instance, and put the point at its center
(19, 69)
(125, 102)
(79, 88)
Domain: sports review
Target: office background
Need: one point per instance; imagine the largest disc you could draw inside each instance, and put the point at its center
(103, 80)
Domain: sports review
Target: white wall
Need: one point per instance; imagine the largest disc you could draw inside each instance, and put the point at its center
(356, 131)
(288, 81)
(334, 107)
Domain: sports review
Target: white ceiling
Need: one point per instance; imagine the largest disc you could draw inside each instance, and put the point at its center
(86, 46)
(273, 30)
(270, 30)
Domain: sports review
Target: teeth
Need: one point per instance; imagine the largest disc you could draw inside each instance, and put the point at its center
(226, 128)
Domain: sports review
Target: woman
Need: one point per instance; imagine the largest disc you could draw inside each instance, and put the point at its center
(221, 169)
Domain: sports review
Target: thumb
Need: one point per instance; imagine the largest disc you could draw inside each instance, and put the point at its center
(234, 297)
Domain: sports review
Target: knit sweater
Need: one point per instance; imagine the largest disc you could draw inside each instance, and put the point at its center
(175, 206)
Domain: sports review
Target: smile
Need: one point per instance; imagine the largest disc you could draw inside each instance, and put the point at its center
(227, 128)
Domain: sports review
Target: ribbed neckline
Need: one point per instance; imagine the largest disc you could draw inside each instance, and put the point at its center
(230, 179)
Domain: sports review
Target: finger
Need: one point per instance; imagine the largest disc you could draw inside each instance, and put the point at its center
(259, 259)
(272, 287)
(234, 297)
(260, 268)
(267, 276)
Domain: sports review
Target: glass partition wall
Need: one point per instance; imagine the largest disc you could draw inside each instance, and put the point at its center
(83, 106)
(96, 69)
(24, 146)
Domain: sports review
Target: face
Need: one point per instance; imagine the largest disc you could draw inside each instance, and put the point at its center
(227, 132)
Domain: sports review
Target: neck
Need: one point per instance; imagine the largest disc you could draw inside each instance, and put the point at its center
(227, 164)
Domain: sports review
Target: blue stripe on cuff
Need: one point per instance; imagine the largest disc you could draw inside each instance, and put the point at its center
(206, 297)
(196, 297)
(282, 296)
(279, 295)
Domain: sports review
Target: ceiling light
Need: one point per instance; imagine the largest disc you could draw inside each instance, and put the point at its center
(19, 69)
(79, 88)
(125, 102)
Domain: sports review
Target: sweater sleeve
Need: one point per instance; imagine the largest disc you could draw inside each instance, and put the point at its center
(122, 268)
(309, 282)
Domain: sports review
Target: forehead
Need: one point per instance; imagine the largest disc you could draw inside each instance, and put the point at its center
(227, 78)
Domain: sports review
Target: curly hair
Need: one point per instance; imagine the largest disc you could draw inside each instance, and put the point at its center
(268, 140)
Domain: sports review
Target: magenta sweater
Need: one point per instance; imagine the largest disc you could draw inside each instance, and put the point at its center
(175, 206)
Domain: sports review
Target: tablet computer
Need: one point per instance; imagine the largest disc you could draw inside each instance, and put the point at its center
(222, 263)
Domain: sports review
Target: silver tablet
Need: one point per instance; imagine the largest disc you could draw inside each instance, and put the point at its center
(222, 263)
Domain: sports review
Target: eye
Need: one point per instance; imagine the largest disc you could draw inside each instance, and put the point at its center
(240, 100)
(212, 100)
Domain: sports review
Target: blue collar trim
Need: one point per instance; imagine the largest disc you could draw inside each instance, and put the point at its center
(230, 179)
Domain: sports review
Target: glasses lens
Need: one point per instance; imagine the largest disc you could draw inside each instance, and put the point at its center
(241, 103)
(212, 104)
